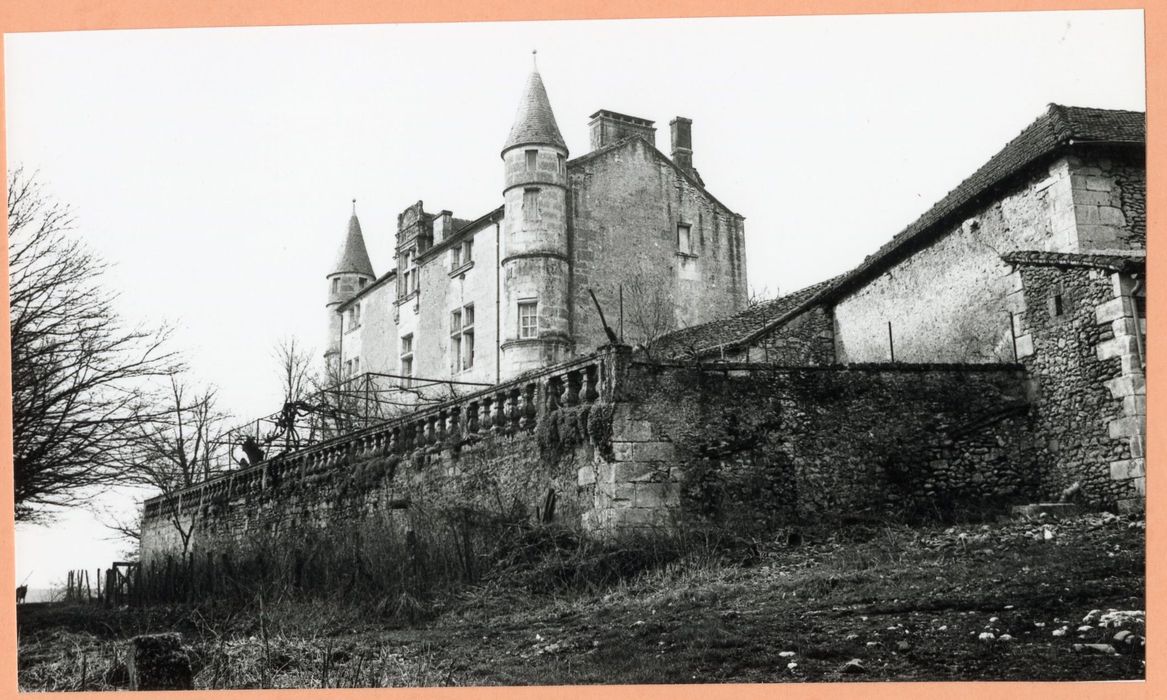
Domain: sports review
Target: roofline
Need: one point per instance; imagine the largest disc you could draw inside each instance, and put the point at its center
(579, 160)
(474, 225)
(598, 112)
(380, 281)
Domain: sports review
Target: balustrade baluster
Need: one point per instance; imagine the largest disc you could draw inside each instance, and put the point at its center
(554, 393)
(571, 396)
(454, 429)
(472, 417)
(591, 380)
(529, 411)
(514, 409)
(500, 419)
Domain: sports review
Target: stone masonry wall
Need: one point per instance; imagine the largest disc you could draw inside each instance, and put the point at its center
(1109, 191)
(946, 303)
(751, 447)
(633, 447)
(624, 208)
(806, 339)
(1076, 337)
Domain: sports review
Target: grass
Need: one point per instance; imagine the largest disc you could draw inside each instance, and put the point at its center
(910, 603)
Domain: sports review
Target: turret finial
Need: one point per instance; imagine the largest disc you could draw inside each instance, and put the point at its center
(354, 206)
(534, 59)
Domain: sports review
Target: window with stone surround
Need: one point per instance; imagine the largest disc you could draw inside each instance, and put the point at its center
(531, 204)
(532, 158)
(407, 359)
(462, 338)
(528, 318)
(684, 239)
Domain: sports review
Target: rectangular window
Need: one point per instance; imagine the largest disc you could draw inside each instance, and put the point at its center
(532, 156)
(357, 315)
(468, 250)
(462, 338)
(531, 204)
(455, 257)
(528, 319)
(562, 164)
(361, 282)
(407, 359)
(684, 242)
(335, 285)
(356, 365)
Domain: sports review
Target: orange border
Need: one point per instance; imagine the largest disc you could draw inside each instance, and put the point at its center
(58, 15)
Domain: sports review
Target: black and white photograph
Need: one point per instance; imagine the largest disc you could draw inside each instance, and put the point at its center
(788, 349)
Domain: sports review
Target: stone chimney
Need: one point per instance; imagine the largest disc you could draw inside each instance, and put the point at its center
(443, 225)
(681, 129)
(608, 127)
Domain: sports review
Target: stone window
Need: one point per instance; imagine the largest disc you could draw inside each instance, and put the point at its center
(361, 282)
(462, 338)
(1056, 304)
(357, 316)
(335, 285)
(684, 239)
(407, 359)
(409, 274)
(528, 319)
(531, 204)
(562, 162)
(462, 254)
(532, 158)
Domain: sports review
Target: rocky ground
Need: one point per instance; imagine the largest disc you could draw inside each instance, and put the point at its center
(1012, 600)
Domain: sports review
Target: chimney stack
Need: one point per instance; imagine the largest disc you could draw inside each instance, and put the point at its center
(681, 129)
(608, 127)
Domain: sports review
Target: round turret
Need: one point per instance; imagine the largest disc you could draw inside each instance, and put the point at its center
(535, 312)
(352, 272)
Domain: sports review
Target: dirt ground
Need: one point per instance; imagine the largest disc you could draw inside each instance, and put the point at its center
(1010, 600)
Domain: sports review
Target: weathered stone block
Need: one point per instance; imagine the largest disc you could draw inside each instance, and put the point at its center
(657, 451)
(1126, 385)
(1024, 346)
(657, 495)
(159, 662)
(1123, 469)
(623, 472)
(1125, 427)
(1110, 310)
(586, 476)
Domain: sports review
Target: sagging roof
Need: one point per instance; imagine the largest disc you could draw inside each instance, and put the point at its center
(1134, 262)
(737, 329)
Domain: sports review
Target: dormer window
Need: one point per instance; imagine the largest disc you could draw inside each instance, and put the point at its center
(532, 158)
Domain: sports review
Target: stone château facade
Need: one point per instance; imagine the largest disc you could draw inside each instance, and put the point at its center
(486, 299)
(992, 353)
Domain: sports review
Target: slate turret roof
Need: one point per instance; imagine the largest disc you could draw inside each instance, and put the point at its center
(534, 121)
(353, 256)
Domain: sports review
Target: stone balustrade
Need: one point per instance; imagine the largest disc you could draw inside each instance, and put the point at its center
(517, 405)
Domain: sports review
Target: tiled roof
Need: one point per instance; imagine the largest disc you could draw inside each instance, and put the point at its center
(736, 329)
(1059, 126)
(1042, 258)
(353, 256)
(534, 120)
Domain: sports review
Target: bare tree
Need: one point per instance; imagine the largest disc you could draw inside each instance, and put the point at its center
(649, 308)
(175, 448)
(77, 369)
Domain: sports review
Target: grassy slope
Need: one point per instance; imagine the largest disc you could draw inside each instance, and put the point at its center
(909, 603)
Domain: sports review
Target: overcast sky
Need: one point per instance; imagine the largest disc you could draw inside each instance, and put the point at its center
(215, 167)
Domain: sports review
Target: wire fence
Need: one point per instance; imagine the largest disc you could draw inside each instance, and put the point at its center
(352, 404)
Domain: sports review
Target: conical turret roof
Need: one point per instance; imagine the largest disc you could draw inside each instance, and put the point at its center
(534, 120)
(353, 256)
